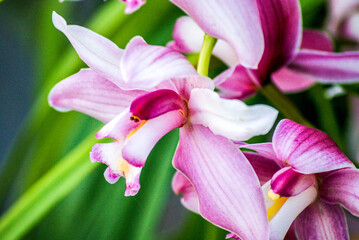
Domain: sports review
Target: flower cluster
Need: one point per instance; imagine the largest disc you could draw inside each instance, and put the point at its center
(296, 185)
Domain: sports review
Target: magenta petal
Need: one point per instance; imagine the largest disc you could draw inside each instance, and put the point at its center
(228, 190)
(291, 81)
(282, 29)
(264, 167)
(287, 182)
(328, 67)
(91, 94)
(342, 186)
(321, 221)
(307, 150)
(264, 149)
(145, 66)
(230, 21)
(316, 40)
(181, 185)
(153, 104)
(235, 83)
(138, 146)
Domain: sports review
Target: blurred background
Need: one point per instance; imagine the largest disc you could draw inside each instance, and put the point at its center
(72, 200)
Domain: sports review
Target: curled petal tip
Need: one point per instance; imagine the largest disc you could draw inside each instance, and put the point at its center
(132, 189)
(58, 21)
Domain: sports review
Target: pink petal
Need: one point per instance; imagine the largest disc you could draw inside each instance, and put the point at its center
(119, 127)
(153, 104)
(228, 190)
(282, 29)
(264, 149)
(110, 154)
(307, 150)
(351, 27)
(144, 66)
(184, 86)
(321, 221)
(138, 146)
(317, 40)
(328, 67)
(342, 186)
(230, 118)
(230, 21)
(181, 185)
(188, 38)
(264, 167)
(287, 182)
(236, 83)
(99, 53)
(88, 92)
(291, 81)
(133, 5)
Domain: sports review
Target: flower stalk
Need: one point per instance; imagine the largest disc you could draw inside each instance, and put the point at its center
(283, 104)
(205, 55)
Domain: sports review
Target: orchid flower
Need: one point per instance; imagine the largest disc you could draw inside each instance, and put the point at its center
(344, 19)
(142, 93)
(303, 173)
(293, 59)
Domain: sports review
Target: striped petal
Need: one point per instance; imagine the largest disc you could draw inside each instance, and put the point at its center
(307, 150)
(342, 187)
(327, 67)
(236, 22)
(228, 190)
(321, 221)
(90, 93)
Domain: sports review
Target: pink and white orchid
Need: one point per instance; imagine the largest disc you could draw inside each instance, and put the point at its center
(305, 178)
(343, 21)
(142, 93)
(292, 59)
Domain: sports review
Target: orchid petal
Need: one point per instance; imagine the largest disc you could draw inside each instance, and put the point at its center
(287, 182)
(328, 67)
(119, 127)
(291, 81)
(317, 40)
(264, 167)
(341, 187)
(228, 190)
(235, 83)
(144, 66)
(230, 21)
(138, 146)
(321, 221)
(133, 5)
(351, 27)
(307, 150)
(281, 222)
(91, 94)
(110, 154)
(181, 185)
(153, 104)
(99, 53)
(185, 85)
(282, 29)
(230, 118)
(188, 38)
(264, 149)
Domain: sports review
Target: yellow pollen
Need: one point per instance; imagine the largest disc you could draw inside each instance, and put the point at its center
(274, 209)
(135, 130)
(135, 118)
(182, 112)
(124, 167)
(273, 196)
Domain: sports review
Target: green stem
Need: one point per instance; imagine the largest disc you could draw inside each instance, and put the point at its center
(205, 55)
(283, 104)
(47, 191)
